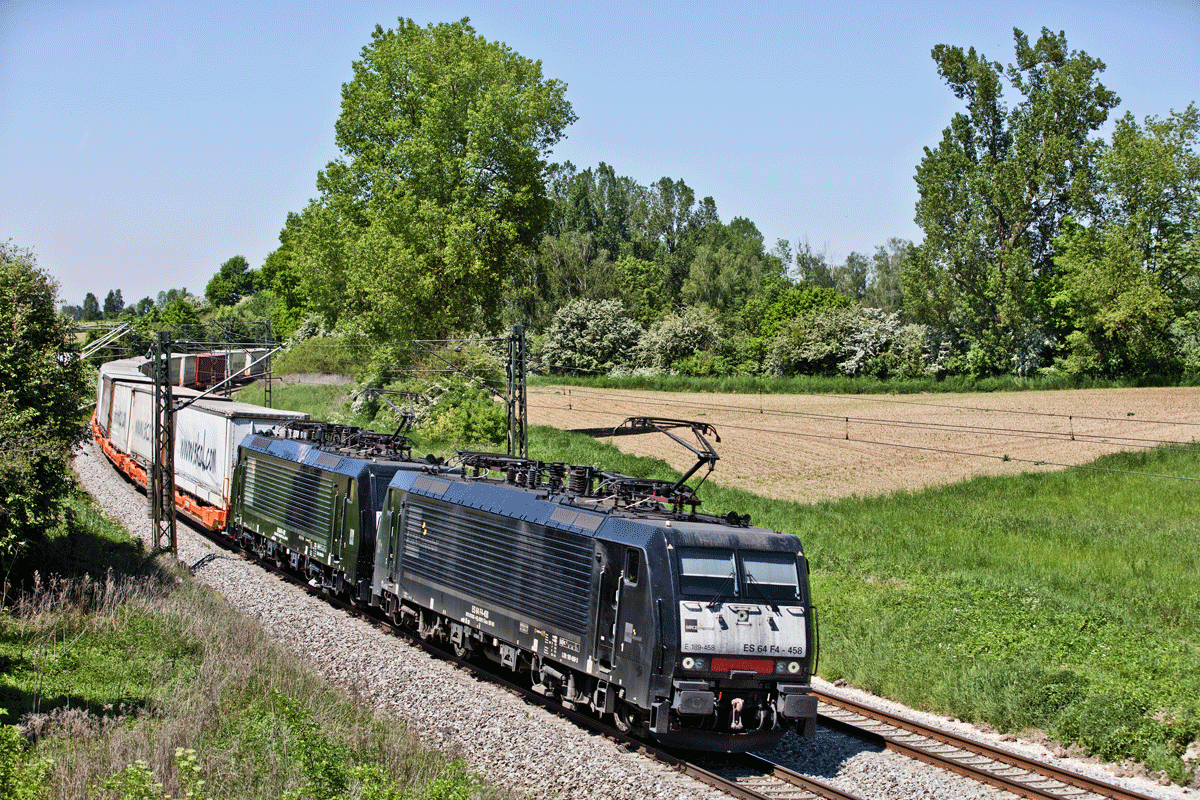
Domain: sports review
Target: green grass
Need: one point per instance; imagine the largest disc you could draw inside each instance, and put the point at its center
(143, 683)
(319, 400)
(840, 384)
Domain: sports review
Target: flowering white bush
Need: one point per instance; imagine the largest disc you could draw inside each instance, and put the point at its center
(590, 336)
(677, 336)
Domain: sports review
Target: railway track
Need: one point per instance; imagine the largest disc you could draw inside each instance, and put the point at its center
(1025, 777)
(757, 777)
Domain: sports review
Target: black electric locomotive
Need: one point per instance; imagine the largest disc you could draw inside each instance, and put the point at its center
(307, 496)
(610, 592)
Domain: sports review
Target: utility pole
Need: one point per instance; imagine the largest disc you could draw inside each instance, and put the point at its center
(518, 408)
(269, 343)
(162, 471)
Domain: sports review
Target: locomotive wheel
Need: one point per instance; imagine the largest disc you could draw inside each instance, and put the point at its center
(462, 650)
(626, 719)
(424, 626)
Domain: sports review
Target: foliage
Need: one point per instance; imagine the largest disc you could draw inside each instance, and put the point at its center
(590, 336)
(91, 308)
(42, 386)
(113, 303)
(23, 776)
(812, 342)
(680, 335)
(885, 289)
(1130, 274)
(179, 313)
(879, 345)
(995, 191)
(439, 190)
(233, 281)
(466, 417)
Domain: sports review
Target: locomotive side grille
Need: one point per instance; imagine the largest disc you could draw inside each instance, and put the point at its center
(545, 572)
(329, 460)
(289, 497)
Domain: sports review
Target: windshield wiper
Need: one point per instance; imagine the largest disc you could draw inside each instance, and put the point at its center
(753, 581)
(716, 601)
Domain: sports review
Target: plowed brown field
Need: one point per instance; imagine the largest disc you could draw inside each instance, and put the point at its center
(809, 448)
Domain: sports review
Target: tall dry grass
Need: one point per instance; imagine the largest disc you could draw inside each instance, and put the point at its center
(106, 673)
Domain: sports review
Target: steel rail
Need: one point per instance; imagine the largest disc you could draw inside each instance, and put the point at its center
(997, 769)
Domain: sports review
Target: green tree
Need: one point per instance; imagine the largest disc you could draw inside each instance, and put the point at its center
(885, 288)
(850, 278)
(281, 274)
(1134, 270)
(995, 192)
(91, 308)
(179, 313)
(440, 187)
(812, 267)
(233, 281)
(113, 303)
(42, 386)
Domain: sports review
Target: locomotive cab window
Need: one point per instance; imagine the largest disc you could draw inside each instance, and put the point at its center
(633, 560)
(707, 572)
(770, 576)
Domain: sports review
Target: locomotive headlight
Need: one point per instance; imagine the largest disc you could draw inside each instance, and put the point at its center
(689, 663)
(789, 667)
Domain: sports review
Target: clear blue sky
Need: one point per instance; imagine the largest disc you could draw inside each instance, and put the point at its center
(144, 143)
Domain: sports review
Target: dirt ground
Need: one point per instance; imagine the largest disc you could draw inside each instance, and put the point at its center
(809, 448)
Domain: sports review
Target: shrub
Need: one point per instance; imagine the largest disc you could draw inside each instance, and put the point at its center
(591, 336)
(23, 776)
(811, 344)
(466, 417)
(678, 336)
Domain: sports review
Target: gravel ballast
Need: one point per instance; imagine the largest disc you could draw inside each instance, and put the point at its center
(517, 746)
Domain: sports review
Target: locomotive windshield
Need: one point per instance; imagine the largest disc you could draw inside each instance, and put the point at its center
(723, 574)
(771, 576)
(707, 573)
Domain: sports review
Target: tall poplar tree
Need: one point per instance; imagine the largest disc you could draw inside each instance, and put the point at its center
(995, 191)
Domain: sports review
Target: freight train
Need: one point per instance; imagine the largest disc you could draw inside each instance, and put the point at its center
(607, 592)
